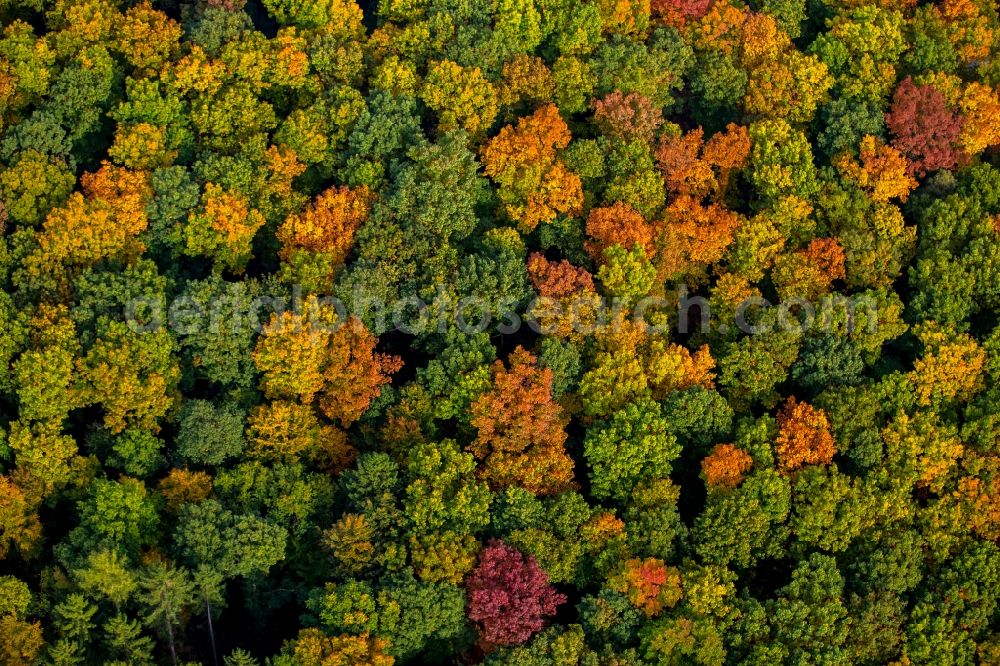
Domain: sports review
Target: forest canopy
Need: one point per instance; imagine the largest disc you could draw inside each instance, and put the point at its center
(527, 332)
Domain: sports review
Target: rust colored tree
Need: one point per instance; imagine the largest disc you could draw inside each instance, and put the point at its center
(521, 429)
(628, 117)
(568, 303)
(803, 436)
(924, 128)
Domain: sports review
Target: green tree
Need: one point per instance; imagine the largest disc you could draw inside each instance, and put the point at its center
(442, 492)
(810, 619)
(234, 545)
(634, 445)
(166, 592)
(209, 434)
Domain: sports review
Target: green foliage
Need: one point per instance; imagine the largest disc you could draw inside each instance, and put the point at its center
(115, 515)
(746, 524)
(634, 445)
(781, 163)
(208, 434)
(235, 545)
(810, 619)
(442, 493)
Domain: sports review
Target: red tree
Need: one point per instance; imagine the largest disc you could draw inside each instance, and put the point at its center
(557, 279)
(509, 595)
(679, 12)
(925, 129)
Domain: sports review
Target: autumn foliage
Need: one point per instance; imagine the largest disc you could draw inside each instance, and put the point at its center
(627, 117)
(509, 595)
(568, 302)
(883, 172)
(650, 585)
(520, 429)
(503, 332)
(310, 356)
(535, 185)
(328, 225)
(803, 436)
(618, 224)
(924, 129)
(725, 466)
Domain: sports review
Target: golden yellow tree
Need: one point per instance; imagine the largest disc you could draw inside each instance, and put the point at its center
(883, 171)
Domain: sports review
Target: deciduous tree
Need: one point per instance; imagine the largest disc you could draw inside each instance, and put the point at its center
(803, 436)
(509, 596)
(520, 429)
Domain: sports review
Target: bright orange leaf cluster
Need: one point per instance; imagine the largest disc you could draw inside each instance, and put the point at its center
(102, 222)
(803, 437)
(725, 466)
(883, 172)
(618, 224)
(328, 225)
(535, 185)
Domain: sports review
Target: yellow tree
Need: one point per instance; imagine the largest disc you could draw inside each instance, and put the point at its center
(525, 79)
(287, 431)
(980, 107)
(630, 363)
(133, 375)
(20, 641)
(101, 223)
(461, 96)
(920, 451)
(44, 457)
(951, 368)
(182, 486)
(147, 37)
(19, 525)
(314, 648)
(223, 228)
(311, 354)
